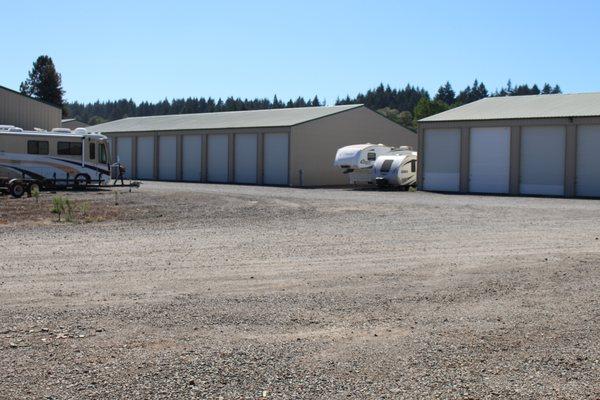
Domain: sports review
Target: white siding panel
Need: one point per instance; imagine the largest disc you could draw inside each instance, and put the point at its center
(167, 158)
(192, 158)
(588, 161)
(543, 160)
(489, 160)
(276, 151)
(145, 157)
(246, 158)
(125, 153)
(218, 158)
(442, 160)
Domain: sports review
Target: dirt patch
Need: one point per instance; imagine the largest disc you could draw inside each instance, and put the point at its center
(208, 291)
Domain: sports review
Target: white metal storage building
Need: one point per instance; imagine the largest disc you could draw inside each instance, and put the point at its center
(290, 146)
(532, 145)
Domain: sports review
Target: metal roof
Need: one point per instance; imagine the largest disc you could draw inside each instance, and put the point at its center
(519, 107)
(221, 120)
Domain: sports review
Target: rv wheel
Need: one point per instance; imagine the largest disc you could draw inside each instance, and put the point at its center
(81, 181)
(17, 189)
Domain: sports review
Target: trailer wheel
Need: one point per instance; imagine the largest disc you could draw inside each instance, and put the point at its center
(17, 189)
(81, 181)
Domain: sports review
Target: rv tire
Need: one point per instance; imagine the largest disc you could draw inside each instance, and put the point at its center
(81, 181)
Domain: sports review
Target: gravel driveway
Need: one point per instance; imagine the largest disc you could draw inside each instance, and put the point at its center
(242, 292)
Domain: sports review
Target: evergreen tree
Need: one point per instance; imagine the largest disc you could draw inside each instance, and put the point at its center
(44, 83)
(547, 89)
(446, 94)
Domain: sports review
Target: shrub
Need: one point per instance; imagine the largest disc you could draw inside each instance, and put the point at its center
(69, 210)
(58, 206)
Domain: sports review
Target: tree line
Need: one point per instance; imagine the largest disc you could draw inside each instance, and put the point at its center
(405, 105)
(102, 111)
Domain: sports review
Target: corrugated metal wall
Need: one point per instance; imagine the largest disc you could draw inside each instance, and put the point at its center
(27, 113)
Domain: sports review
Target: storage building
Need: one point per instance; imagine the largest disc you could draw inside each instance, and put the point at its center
(531, 145)
(290, 146)
(26, 112)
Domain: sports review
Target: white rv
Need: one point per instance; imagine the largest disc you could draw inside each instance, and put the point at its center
(357, 161)
(397, 168)
(57, 158)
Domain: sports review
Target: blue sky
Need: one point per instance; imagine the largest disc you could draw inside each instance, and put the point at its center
(149, 50)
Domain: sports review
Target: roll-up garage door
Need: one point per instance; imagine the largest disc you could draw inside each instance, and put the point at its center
(442, 160)
(543, 160)
(489, 160)
(588, 161)
(124, 153)
(167, 158)
(145, 157)
(246, 158)
(192, 158)
(276, 149)
(218, 158)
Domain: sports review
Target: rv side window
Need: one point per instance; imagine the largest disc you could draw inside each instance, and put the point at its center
(371, 156)
(386, 165)
(37, 147)
(69, 148)
(92, 151)
(413, 165)
(103, 153)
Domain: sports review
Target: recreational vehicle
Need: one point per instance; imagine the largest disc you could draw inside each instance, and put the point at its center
(397, 168)
(357, 161)
(57, 158)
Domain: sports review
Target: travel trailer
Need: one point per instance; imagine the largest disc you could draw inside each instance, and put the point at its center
(58, 158)
(397, 168)
(357, 161)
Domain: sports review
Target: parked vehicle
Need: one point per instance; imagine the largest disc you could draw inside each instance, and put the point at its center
(357, 161)
(398, 168)
(60, 158)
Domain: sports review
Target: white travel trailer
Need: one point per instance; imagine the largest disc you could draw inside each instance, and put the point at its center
(398, 168)
(357, 161)
(57, 158)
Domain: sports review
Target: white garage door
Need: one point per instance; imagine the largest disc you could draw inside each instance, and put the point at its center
(442, 160)
(276, 149)
(218, 158)
(588, 161)
(489, 160)
(543, 160)
(145, 157)
(167, 158)
(246, 158)
(124, 153)
(192, 158)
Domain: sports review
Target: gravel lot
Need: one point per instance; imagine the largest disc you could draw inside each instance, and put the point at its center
(217, 291)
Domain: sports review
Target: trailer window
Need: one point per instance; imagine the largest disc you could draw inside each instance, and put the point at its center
(103, 153)
(92, 151)
(386, 165)
(69, 148)
(413, 165)
(371, 156)
(37, 147)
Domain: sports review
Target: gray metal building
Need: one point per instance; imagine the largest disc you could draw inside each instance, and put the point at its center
(530, 145)
(72, 123)
(290, 146)
(26, 112)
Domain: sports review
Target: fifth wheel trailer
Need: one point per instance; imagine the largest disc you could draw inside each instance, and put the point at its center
(531, 145)
(291, 146)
